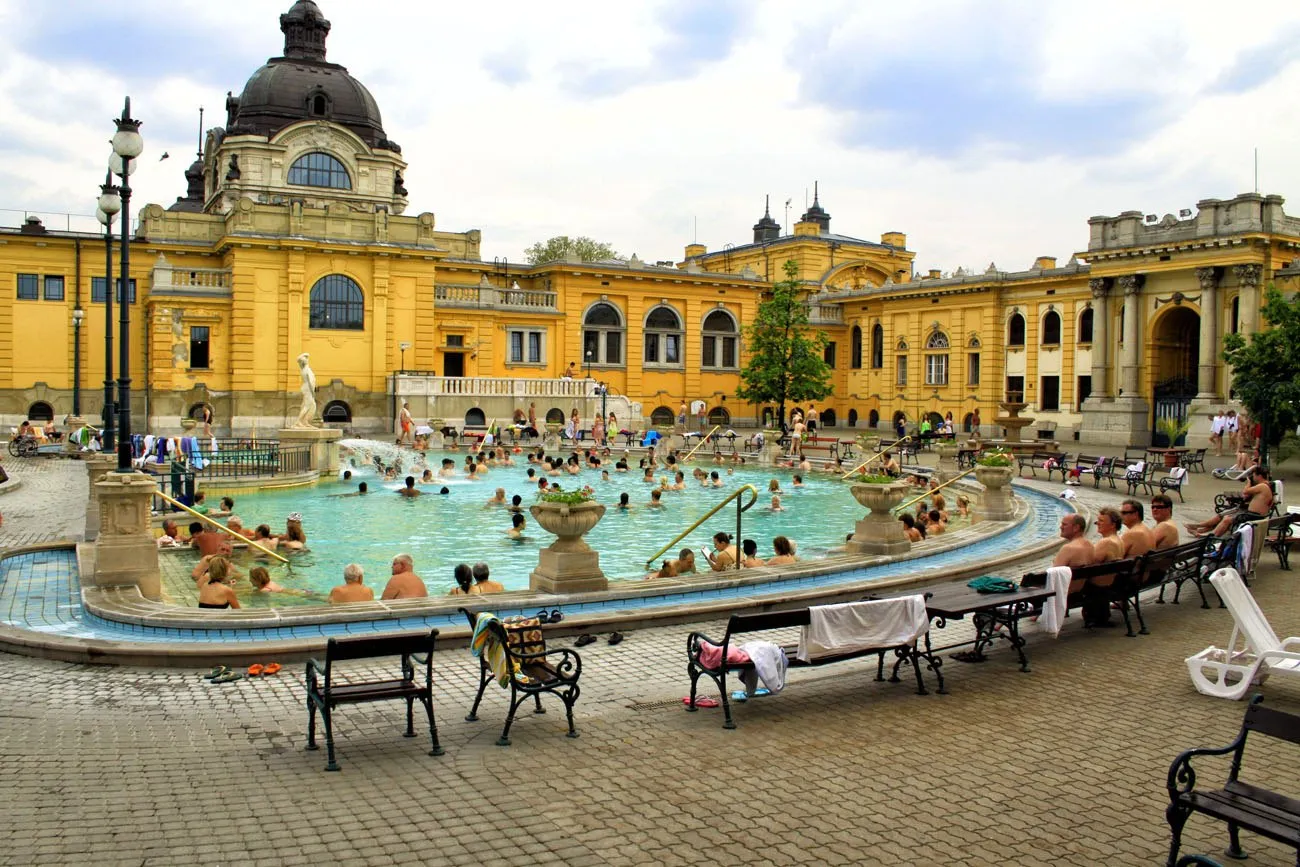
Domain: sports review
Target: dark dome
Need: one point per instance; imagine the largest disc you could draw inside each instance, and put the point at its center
(302, 85)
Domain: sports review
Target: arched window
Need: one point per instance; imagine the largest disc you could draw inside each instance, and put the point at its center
(555, 415)
(853, 418)
(337, 302)
(319, 170)
(318, 104)
(1085, 325)
(1052, 329)
(873, 418)
(662, 417)
(336, 411)
(663, 337)
(877, 347)
(936, 359)
(719, 415)
(1016, 330)
(602, 334)
(855, 349)
(40, 411)
(475, 418)
(719, 341)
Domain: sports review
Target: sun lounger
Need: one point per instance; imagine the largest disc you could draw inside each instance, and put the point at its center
(1229, 672)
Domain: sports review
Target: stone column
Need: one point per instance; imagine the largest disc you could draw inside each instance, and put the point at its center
(1248, 307)
(125, 552)
(1100, 287)
(1129, 358)
(1207, 385)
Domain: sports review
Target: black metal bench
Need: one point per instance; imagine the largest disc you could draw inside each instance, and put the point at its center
(1178, 566)
(1048, 460)
(1281, 533)
(1101, 585)
(745, 623)
(1239, 804)
(531, 673)
(324, 693)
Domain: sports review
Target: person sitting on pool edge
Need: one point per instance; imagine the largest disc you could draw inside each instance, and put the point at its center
(353, 588)
(464, 576)
(784, 550)
(483, 582)
(404, 584)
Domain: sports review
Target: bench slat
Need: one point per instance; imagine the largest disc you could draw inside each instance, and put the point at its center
(1248, 814)
(369, 648)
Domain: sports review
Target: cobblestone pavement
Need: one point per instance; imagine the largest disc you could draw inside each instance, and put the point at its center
(1064, 765)
(43, 501)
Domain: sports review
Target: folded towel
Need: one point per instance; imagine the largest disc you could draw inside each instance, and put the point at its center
(1053, 616)
(852, 626)
(711, 655)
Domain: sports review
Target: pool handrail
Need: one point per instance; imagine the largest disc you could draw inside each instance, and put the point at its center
(704, 439)
(709, 514)
(876, 456)
(222, 527)
(930, 491)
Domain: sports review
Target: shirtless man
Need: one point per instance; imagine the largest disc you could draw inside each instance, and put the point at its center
(410, 490)
(171, 535)
(352, 589)
(1138, 538)
(209, 542)
(1258, 494)
(404, 584)
(406, 424)
(483, 582)
(1077, 551)
(1108, 548)
(498, 499)
(1165, 531)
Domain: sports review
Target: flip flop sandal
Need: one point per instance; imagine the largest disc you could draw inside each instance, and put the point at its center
(615, 638)
(542, 616)
(700, 701)
(556, 615)
(584, 640)
(255, 670)
(216, 672)
(271, 668)
(228, 677)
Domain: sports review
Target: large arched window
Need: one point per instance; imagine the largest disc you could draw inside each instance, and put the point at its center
(1016, 330)
(877, 347)
(719, 341)
(336, 411)
(855, 349)
(1085, 325)
(1052, 329)
(663, 337)
(661, 416)
(319, 170)
(602, 334)
(936, 359)
(337, 302)
(40, 411)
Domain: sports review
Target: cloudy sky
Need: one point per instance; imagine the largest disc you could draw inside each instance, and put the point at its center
(987, 131)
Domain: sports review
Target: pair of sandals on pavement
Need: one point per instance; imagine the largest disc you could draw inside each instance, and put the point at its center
(225, 674)
(587, 638)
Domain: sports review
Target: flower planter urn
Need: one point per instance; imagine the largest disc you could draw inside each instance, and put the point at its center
(569, 565)
(947, 453)
(997, 504)
(189, 424)
(871, 443)
(879, 532)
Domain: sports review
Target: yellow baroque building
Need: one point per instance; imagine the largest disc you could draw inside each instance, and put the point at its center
(293, 237)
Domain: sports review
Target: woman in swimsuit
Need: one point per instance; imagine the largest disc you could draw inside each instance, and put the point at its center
(215, 592)
(294, 539)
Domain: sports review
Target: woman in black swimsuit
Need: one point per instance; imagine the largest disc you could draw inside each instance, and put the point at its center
(215, 592)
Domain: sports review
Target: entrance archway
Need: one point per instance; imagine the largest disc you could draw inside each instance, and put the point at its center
(1176, 357)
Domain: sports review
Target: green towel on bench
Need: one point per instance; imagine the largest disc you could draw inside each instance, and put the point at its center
(989, 584)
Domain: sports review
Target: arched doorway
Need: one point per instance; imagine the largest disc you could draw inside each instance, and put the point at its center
(719, 415)
(1176, 357)
(853, 418)
(828, 418)
(336, 412)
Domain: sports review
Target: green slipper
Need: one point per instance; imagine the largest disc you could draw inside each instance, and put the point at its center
(216, 672)
(228, 677)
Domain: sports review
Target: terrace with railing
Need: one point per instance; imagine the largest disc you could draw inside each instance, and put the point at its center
(493, 298)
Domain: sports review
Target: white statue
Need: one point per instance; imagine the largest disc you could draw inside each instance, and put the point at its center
(308, 410)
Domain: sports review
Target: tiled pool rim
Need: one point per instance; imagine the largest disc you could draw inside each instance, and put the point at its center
(117, 625)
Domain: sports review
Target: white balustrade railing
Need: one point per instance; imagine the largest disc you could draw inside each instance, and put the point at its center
(450, 295)
(409, 384)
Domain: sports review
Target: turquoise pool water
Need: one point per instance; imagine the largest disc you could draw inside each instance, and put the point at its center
(440, 531)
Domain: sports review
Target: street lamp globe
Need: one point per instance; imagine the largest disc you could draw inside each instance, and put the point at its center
(115, 164)
(127, 141)
(77, 316)
(110, 203)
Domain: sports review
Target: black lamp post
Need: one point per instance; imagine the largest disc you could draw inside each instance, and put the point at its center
(77, 316)
(109, 204)
(127, 145)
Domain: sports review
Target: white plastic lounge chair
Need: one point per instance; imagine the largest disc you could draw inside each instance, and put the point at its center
(1229, 672)
(1234, 475)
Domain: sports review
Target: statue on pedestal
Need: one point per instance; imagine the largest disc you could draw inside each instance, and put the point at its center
(308, 409)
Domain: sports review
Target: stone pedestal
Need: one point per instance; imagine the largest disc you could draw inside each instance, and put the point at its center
(1119, 422)
(324, 443)
(770, 454)
(879, 532)
(97, 466)
(996, 504)
(125, 551)
(569, 565)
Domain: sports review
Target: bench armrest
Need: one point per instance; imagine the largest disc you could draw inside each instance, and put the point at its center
(569, 668)
(1182, 776)
(693, 641)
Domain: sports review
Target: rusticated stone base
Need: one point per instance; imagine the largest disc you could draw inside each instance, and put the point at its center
(559, 572)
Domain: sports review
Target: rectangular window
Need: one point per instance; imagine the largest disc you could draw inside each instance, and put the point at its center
(455, 340)
(936, 370)
(710, 347)
(1050, 396)
(973, 369)
(525, 346)
(1015, 389)
(97, 290)
(613, 347)
(534, 347)
(53, 288)
(28, 287)
(672, 349)
(200, 352)
(728, 352)
(900, 367)
(828, 355)
(652, 349)
(516, 347)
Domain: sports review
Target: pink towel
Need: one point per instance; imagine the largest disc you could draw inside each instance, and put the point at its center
(711, 655)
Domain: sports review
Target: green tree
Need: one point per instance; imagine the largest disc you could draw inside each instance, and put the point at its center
(1266, 369)
(584, 248)
(785, 356)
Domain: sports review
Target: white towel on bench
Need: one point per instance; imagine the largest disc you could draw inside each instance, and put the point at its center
(853, 626)
(769, 666)
(1053, 616)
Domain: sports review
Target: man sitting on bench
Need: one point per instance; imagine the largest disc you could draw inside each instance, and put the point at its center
(1258, 496)
(1107, 549)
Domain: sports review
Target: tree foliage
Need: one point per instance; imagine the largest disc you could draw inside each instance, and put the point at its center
(583, 248)
(1266, 369)
(785, 355)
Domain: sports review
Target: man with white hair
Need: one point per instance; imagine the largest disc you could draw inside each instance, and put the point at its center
(352, 589)
(404, 584)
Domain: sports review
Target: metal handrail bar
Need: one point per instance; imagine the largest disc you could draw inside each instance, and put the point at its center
(876, 456)
(914, 500)
(692, 528)
(704, 439)
(222, 527)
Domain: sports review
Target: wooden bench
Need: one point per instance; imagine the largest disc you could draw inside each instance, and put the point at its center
(1239, 804)
(1037, 460)
(1281, 535)
(740, 624)
(532, 671)
(324, 694)
(829, 445)
(1101, 585)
